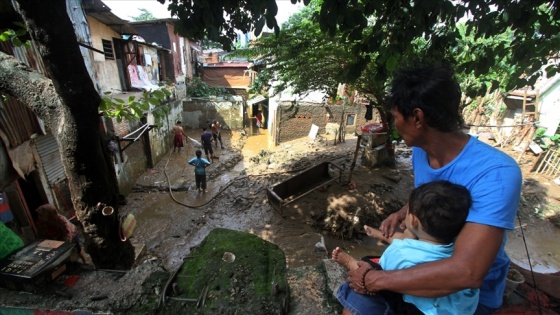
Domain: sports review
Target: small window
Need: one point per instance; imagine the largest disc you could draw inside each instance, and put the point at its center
(108, 49)
(350, 120)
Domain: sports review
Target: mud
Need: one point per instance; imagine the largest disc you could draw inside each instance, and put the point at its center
(320, 220)
(173, 217)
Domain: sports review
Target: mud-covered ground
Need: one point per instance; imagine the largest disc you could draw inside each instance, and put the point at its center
(172, 217)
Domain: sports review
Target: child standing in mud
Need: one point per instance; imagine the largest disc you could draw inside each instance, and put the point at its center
(200, 165)
(436, 214)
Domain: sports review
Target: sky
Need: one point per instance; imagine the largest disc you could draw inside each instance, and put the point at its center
(124, 9)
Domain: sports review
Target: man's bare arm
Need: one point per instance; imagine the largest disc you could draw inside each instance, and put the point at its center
(475, 250)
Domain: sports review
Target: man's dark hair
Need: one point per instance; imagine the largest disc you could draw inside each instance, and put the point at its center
(198, 153)
(204, 128)
(442, 208)
(434, 90)
(178, 122)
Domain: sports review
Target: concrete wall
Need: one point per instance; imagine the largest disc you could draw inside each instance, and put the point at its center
(548, 109)
(199, 110)
(135, 161)
(294, 121)
(161, 139)
(106, 71)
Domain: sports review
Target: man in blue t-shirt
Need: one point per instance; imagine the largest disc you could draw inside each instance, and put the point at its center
(424, 103)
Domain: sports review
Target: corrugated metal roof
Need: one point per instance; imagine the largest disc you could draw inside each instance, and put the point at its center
(17, 122)
(47, 147)
(229, 65)
(255, 100)
(98, 10)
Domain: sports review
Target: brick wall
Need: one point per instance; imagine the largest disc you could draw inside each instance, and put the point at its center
(294, 121)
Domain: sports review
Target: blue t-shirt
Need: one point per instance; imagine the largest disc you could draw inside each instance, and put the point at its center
(494, 181)
(199, 165)
(407, 253)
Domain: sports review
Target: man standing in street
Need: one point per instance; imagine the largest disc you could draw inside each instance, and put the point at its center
(216, 133)
(178, 133)
(206, 139)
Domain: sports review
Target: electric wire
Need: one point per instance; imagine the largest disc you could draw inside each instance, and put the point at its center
(530, 265)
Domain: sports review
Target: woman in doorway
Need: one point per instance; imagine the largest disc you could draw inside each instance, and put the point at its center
(259, 119)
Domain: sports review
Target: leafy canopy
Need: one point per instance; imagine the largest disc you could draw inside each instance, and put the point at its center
(218, 20)
(153, 101)
(386, 32)
(145, 15)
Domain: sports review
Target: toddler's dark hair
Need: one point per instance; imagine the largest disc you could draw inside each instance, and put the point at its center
(198, 153)
(442, 208)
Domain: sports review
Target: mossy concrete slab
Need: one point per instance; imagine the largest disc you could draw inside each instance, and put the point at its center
(253, 283)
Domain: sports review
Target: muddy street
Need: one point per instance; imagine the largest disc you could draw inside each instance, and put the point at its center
(171, 221)
(172, 216)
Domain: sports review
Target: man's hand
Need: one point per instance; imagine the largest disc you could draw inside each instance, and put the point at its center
(389, 225)
(356, 278)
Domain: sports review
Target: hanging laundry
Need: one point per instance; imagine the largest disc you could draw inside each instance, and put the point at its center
(148, 59)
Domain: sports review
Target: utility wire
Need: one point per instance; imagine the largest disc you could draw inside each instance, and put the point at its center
(530, 265)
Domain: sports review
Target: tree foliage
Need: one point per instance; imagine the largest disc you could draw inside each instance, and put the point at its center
(145, 15)
(153, 101)
(218, 20)
(386, 33)
(366, 42)
(389, 27)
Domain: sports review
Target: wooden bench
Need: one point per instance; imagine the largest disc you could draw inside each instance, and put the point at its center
(301, 184)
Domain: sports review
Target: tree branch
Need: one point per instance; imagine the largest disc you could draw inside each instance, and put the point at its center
(30, 88)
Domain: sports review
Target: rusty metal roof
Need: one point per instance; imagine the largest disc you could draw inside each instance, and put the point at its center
(98, 10)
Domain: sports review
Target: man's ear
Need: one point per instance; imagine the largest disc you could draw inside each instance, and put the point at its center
(418, 115)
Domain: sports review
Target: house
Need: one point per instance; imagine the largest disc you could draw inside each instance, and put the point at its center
(181, 61)
(235, 77)
(121, 60)
(293, 116)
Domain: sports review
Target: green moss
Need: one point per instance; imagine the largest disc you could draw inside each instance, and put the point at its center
(254, 282)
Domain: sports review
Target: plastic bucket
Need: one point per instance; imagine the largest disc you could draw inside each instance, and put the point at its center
(513, 279)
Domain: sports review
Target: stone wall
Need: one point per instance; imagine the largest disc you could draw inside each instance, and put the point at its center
(294, 121)
(229, 113)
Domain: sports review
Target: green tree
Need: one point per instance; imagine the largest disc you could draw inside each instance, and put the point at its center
(145, 15)
(389, 27)
(386, 33)
(218, 20)
(302, 46)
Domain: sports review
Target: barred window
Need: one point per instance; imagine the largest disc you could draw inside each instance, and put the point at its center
(350, 120)
(108, 49)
